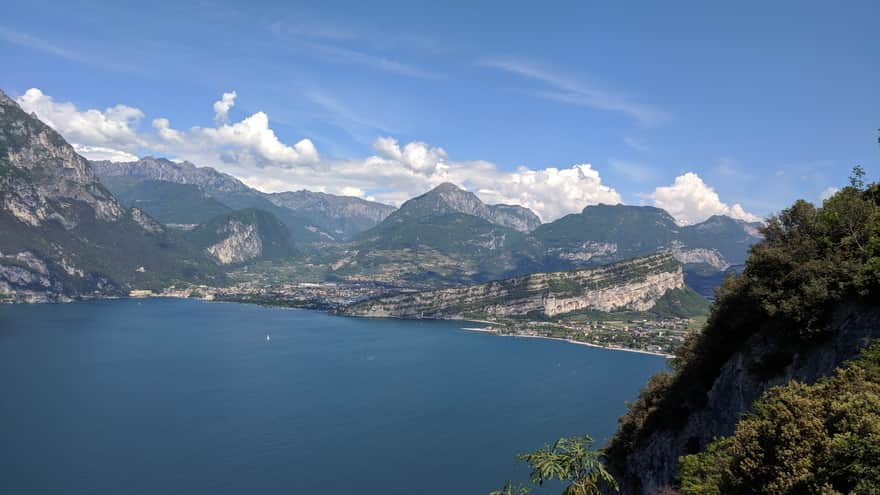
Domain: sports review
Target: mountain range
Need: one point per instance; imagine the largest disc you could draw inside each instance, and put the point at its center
(310, 216)
(82, 228)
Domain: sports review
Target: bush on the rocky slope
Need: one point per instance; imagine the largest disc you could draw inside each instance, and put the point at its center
(806, 439)
(811, 260)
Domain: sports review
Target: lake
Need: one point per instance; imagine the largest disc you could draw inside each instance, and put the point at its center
(187, 397)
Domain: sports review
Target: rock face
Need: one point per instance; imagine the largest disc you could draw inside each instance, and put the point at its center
(62, 233)
(654, 463)
(241, 236)
(151, 168)
(449, 198)
(242, 243)
(700, 256)
(631, 285)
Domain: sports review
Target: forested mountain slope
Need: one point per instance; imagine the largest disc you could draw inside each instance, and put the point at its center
(806, 302)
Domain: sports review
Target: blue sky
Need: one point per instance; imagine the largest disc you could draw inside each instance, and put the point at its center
(763, 103)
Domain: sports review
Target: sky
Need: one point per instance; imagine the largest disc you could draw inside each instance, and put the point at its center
(699, 109)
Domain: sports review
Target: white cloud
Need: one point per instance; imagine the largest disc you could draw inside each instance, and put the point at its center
(828, 192)
(550, 192)
(394, 175)
(114, 127)
(689, 200)
(417, 156)
(250, 150)
(103, 153)
(165, 132)
(252, 140)
(222, 107)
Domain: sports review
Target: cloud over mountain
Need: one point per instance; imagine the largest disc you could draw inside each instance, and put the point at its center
(690, 201)
(251, 150)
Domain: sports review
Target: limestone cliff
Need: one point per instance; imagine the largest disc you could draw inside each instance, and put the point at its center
(634, 285)
(241, 236)
(243, 243)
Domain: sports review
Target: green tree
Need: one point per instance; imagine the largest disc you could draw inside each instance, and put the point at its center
(572, 460)
(857, 177)
(510, 489)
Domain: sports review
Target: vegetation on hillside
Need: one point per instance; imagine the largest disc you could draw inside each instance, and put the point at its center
(571, 460)
(273, 233)
(809, 439)
(810, 261)
(814, 439)
(167, 202)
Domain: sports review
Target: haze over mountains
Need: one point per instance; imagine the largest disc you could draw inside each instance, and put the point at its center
(154, 221)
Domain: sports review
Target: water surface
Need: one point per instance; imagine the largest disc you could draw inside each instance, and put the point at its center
(188, 397)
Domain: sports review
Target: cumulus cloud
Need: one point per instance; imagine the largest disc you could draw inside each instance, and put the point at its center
(417, 156)
(165, 132)
(114, 127)
(222, 107)
(115, 130)
(550, 192)
(250, 150)
(252, 140)
(828, 192)
(102, 153)
(689, 200)
(398, 172)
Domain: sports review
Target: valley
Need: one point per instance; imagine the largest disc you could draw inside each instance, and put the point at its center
(612, 275)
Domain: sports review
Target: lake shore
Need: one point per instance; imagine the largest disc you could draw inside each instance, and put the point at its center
(570, 341)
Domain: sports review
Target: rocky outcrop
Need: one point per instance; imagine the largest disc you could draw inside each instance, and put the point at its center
(585, 252)
(242, 243)
(40, 175)
(631, 285)
(654, 462)
(145, 221)
(700, 256)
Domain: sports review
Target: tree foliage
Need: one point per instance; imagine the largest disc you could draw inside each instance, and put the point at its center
(810, 261)
(800, 439)
(571, 460)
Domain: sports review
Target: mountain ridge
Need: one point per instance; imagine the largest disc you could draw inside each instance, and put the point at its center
(634, 285)
(310, 216)
(65, 235)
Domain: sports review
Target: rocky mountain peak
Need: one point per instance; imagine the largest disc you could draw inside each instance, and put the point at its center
(153, 168)
(5, 99)
(449, 198)
(40, 172)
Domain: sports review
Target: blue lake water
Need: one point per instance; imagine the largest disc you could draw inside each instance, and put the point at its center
(189, 397)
